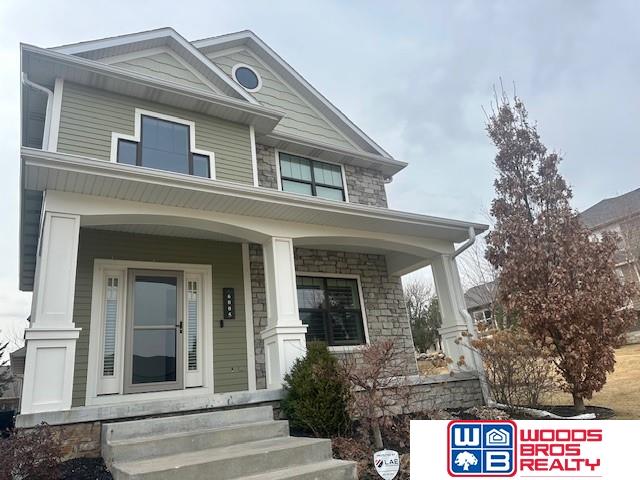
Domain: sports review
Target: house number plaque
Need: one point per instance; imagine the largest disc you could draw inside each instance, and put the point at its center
(228, 304)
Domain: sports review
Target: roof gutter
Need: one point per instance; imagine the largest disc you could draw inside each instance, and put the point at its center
(467, 244)
(47, 117)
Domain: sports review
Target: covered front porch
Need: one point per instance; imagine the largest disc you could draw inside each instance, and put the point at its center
(202, 301)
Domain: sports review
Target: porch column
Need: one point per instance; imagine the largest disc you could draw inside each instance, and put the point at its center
(456, 321)
(284, 337)
(51, 336)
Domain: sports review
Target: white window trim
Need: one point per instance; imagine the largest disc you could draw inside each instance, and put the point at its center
(342, 172)
(248, 67)
(94, 364)
(139, 112)
(125, 57)
(365, 323)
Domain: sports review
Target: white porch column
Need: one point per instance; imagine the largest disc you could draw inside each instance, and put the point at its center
(456, 321)
(284, 337)
(51, 336)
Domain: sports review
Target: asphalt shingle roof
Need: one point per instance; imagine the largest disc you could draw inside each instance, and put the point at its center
(611, 209)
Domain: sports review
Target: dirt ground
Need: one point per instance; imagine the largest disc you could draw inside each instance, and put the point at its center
(622, 390)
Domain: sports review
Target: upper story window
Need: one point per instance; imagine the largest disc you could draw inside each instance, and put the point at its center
(163, 145)
(247, 77)
(311, 177)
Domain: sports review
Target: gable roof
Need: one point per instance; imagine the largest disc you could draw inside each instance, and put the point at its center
(480, 295)
(284, 70)
(611, 209)
(360, 149)
(124, 44)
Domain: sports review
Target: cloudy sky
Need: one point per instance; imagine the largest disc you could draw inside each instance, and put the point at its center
(413, 74)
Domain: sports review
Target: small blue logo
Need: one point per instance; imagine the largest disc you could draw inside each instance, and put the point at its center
(478, 449)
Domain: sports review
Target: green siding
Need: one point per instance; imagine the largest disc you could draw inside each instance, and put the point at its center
(301, 119)
(229, 342)
(89, 116)
(164, 67)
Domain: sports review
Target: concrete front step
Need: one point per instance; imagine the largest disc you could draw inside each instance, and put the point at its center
(159, 445)
(231, 462)
(326, 470)
(151, 427)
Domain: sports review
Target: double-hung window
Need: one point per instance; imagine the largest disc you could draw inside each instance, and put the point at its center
(163, 145)
(331, 309)
(311, 177)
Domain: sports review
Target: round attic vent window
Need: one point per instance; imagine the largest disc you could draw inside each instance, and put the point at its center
(247, 77)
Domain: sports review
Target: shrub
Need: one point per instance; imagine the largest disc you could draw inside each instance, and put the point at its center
(377, 376)
(519, 370)
(316, 394)
(33, 454)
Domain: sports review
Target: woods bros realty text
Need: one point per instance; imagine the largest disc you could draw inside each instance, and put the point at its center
(542, 449)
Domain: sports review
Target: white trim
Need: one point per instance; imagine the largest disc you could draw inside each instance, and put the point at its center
(94, 363)
(139, 112)
(248, 313)
(393, 222)
(194, 378)
(151, 35)
(54, 126)
(225, 51)
(247, 35)
(315, 159)
(48, 112)
(254, 155)
(302, 98)
(363, 308)
(248, 67)
(125, 57)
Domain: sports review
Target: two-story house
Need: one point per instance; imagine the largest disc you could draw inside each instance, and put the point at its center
(620, 215)
(192, 213)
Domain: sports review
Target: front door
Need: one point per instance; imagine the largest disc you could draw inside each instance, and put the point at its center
(154, 340)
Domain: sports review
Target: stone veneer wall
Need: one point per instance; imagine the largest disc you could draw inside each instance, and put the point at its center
(259, 296)
(461, 390)
(266, 157)
(383, 299)
(84, 439)
(365, 186)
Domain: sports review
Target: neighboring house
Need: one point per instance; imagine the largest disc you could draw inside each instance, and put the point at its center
(480, 301)
(192, 213)
(620, 215)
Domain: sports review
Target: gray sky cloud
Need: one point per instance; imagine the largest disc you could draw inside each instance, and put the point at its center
(414, 75)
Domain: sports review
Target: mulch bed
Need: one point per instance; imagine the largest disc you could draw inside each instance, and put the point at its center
(85, 469)
(601, 413)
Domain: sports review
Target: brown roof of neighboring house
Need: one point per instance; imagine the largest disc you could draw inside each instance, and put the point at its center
(610, 209)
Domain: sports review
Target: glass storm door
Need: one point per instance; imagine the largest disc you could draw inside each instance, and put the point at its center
(154, 359)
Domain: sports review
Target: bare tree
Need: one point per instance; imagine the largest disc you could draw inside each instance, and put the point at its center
(378, 377)
(419, 299)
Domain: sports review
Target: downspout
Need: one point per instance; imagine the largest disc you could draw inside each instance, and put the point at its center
(470, 241)
(47, 117)
(477, 360)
